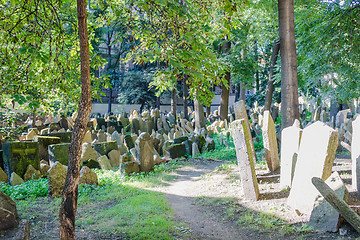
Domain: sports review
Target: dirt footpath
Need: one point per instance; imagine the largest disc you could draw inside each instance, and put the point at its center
(202, 181)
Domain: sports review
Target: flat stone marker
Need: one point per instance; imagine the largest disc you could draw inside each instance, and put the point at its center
(355, 154)
(316, 157)
(244, 154)
(290, 139)
(144, 152)
(325, 218)
(270, 142)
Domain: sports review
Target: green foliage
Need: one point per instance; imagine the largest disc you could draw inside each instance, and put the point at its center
(10, 129)
(259, 144)
(135, 88)
(29, 189)
(221, 152)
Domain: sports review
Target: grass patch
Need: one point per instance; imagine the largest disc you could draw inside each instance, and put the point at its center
(248, 218)
(221, 151)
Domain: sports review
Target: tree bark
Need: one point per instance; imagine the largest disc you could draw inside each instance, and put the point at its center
(224, 102)
(185, 98)
(109, 67)
(173, 103)
(158, 102)
(199, 115)
(70, 192)
(270, 85)
(289, 82)
(242, 92)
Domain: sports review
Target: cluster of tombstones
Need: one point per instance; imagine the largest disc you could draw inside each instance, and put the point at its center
(305, 154)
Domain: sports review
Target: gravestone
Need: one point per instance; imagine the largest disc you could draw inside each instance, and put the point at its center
(104, 148)
(56, 178)
(128, 142)
(355, 154)
(240, 113)
(59, 153)
(87, 137)
(87, 152)
(341, 116)
(127, 168)
(270, 142)
(104, 163)
(87, 176)
(44, 142)
(290, 138)
(31, 173)
(3, 177)
(15, 179)
(176, 150)
(244, 154)
(65, 137)
(195, 149)
(144, 152)
(325, 218)
(8, 212)
(18, 155)
(316, 157)
(114, 158)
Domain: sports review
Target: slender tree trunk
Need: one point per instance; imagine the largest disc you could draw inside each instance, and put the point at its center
(158, 102)
(225, 89)
(289, 82)
(237, 92)
(173, 102)
(109, 67)
(242, 91)
(257, 81)
(270, 85)
(199, 115)
(185, 98)
(70, 192)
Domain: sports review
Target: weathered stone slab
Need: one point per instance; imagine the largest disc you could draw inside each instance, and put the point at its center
(87, 152)
(18, 155)
(44, 142)
(59, 153)
(244, 153)
(104, 148)
(87, 176)
(114, 157)
(56, 176)
(31, 173)
(3, 176)
(127, 168)
(65, 137)
(355, 154)
(316, 157)
(270, 142)
(144, 152)
(8, 212)
(176, 150)
(15, 179)
(104, 163)
(128, 142)
(324, 218)
(290, 139)
(341, 116)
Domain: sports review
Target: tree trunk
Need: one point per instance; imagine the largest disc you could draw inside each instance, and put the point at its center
(158, 102)
(185, 98)
(242, 92)
(257, 81)
(289, 82)
(70, 192)
(237, 92)
(199, 115)
(173, 103)
(270, 85)
(109, 67)
(224, 103)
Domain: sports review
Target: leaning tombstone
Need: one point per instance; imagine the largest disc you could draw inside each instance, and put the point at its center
(244, 154)
(8, 212)
(270, 143)
(324, 218)
(290, 138)
(316, 157)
